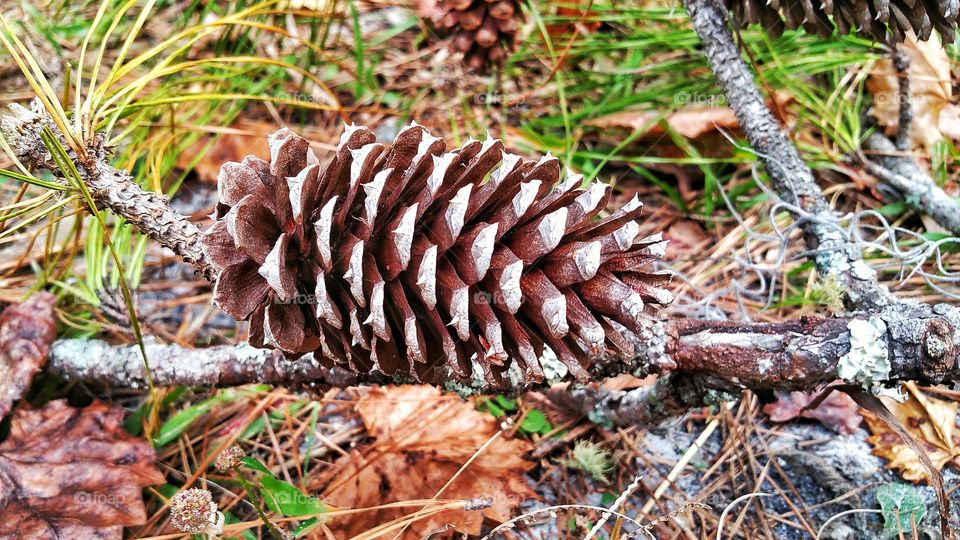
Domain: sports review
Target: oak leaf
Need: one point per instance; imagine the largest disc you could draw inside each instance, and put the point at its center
(422, 439)
(67, 472)
(26, 332)
(935, 116)
(931, 421)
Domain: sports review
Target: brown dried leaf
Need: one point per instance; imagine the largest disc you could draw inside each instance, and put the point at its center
(423, 438)
(26, 332)
(67, 472)
(837, 411)
(690, 122)
(686, 236)
(931, 95)
(930, 421)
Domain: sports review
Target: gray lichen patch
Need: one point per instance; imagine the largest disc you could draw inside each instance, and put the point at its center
(867, 363)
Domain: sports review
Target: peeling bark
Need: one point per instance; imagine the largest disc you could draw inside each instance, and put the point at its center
(922, 344)
(100, 363)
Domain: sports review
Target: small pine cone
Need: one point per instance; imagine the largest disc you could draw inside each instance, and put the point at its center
(410, 260)
(884, 21)
(485, 31)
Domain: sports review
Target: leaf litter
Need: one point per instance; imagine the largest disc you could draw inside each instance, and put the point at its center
(932, 423)
(68, 472)
(423, 440)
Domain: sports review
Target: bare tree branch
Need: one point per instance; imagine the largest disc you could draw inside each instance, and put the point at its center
(794, 182)
(790, 176)
(901, 66)
(901, 172)
(918, 343)
(891, 163)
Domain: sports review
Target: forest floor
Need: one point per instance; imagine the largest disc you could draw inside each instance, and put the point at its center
(619, 92)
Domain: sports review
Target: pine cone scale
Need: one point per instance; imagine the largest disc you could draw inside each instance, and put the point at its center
(253, 227)
(277, 272)
(219, 246)
(240, 289)
(283, 327)
(574, 262)
(396, 250)
(503, 281)
(235, 181)
(323, 228)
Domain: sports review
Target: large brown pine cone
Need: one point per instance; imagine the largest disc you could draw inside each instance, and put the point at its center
(880, 20)
(410, 260)
(485, 31)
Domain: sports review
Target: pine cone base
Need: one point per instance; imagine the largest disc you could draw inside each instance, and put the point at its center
(410, 260)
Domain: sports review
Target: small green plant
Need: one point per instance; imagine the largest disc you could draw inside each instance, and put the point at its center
(903, 508)
(590, 458)
(534, 421)
(279, 496)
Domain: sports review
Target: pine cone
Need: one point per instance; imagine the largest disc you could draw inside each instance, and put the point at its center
(880, 20)
(485, 31)
(409, 260)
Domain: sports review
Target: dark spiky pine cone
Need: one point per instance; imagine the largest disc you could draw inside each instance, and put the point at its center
(410, 260)
(880, 20)
(485, 31)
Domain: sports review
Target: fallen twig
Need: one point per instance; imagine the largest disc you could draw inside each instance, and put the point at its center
(790, 176)
(794, 182)
(915, 342)
(895, 168)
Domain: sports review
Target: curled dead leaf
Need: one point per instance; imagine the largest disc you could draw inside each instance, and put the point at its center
(26, 332)
(423, 439)
(931, 422)
(837, 411)
(67, 472)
